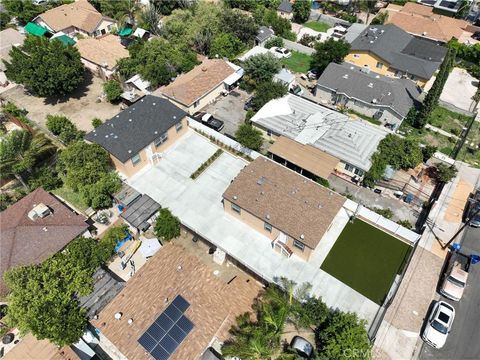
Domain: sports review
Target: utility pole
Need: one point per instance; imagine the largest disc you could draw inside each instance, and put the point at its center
(461, 229)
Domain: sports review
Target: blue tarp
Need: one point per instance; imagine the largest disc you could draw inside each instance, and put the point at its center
(123, 241)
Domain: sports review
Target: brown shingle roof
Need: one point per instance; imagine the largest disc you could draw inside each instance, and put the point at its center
(24, 241)
(29, 348)
(80, 14)
(420, 20)
(105, 50)
(198, 82)
(214, 304)
(306, 156)
(294, 205)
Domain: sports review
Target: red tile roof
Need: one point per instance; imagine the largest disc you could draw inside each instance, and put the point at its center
(24, 241)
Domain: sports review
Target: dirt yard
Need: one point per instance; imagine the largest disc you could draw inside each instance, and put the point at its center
(81, 107)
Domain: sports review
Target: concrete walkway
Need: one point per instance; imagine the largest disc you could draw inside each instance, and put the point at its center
(291, 45)
(198, 205)
(440, 131)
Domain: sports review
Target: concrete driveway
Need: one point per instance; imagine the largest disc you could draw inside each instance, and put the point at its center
(230, 110)
(459, 89)
(80, 107)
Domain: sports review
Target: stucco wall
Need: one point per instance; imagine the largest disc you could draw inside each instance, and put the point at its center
(258, 225)
(104, 25)
(367, 59)
(128, 169)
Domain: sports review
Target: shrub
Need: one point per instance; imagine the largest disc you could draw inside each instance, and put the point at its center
(112, 90)
(46, 178)
(96, 122)
(167, 226)
(386, 213)
(405, 223)
(274, 41)
(249, 137)
(62, 127)
(202, 167)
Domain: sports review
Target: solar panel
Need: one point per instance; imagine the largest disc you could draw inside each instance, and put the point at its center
(168, 331)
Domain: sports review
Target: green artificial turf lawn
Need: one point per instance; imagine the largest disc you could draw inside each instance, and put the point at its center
(317, 26)
(366, 259)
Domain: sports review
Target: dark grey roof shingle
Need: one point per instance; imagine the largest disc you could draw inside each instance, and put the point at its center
(405, 52)
(264, 33)
(285, 6)
(134, 128)
(140, 211)
(398, 94)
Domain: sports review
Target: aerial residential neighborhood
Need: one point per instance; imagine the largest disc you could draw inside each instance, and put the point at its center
(239, 179)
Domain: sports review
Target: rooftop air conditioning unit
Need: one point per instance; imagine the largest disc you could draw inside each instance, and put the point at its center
(39, 211)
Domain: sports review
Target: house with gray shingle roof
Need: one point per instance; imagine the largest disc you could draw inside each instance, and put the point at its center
(264, 33)
(389, 50)
(285, 9)
(384, 98)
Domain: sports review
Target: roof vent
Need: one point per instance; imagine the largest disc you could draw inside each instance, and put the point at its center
(260, 180)
(118, 315)
(374, 101)
(39, 211)
(130, 321)
(345, 76)
(179, 268)
(204, 68)
(235, 197)
(154, 104)
(370, 85)
(302, 236)
(45, 229)
(377, 76)
(267, 217)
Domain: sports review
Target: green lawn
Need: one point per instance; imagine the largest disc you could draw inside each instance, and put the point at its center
(298, 62)
(366, 259)
(317, 26)
(71, 197)
(470, 152)
(447, 120)
(428, 137)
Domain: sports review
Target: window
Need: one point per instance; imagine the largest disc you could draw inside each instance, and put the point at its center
(161, 139)
(379, 65)
(356, 56)
(359, 172)
(236, 208)
(136, 159)
(269, 132)
(178, 126)
(267, 226)
(196, 103)
(349, 167)
(299, 245)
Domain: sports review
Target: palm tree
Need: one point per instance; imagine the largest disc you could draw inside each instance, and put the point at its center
(20, 151)
(150, 17)
(248, 341)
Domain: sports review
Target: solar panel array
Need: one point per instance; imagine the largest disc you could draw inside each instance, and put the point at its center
(169, 330)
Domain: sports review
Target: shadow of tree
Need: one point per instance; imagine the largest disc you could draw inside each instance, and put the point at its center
(78, 93)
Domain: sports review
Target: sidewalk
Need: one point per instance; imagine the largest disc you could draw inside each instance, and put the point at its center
(398, 336)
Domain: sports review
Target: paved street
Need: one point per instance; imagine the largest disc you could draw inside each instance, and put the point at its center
(463, 342)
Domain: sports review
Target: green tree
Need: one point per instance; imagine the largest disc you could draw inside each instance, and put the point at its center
(96, 122)
(85, 168)
(157, 61)
(4, 20)
(380, 19)
(23, 11)
(240, 25)
(312, 312)
(411, 117)
(43, 298)
(329, 51)
(340, 335)
(150, 19)
(269, 17)
(428, 151)
(431, 100)
(301, 10)
(444, 173)
(267, 91)
(62, 127)
(167, 226)
(225, 45)
(45, 67)
(46, 178)
(259, 69)
(21, 152)
(249, 137)
(112, 90)
(274, 41)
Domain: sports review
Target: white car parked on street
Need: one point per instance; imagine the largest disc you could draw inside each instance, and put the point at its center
(439, 324)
